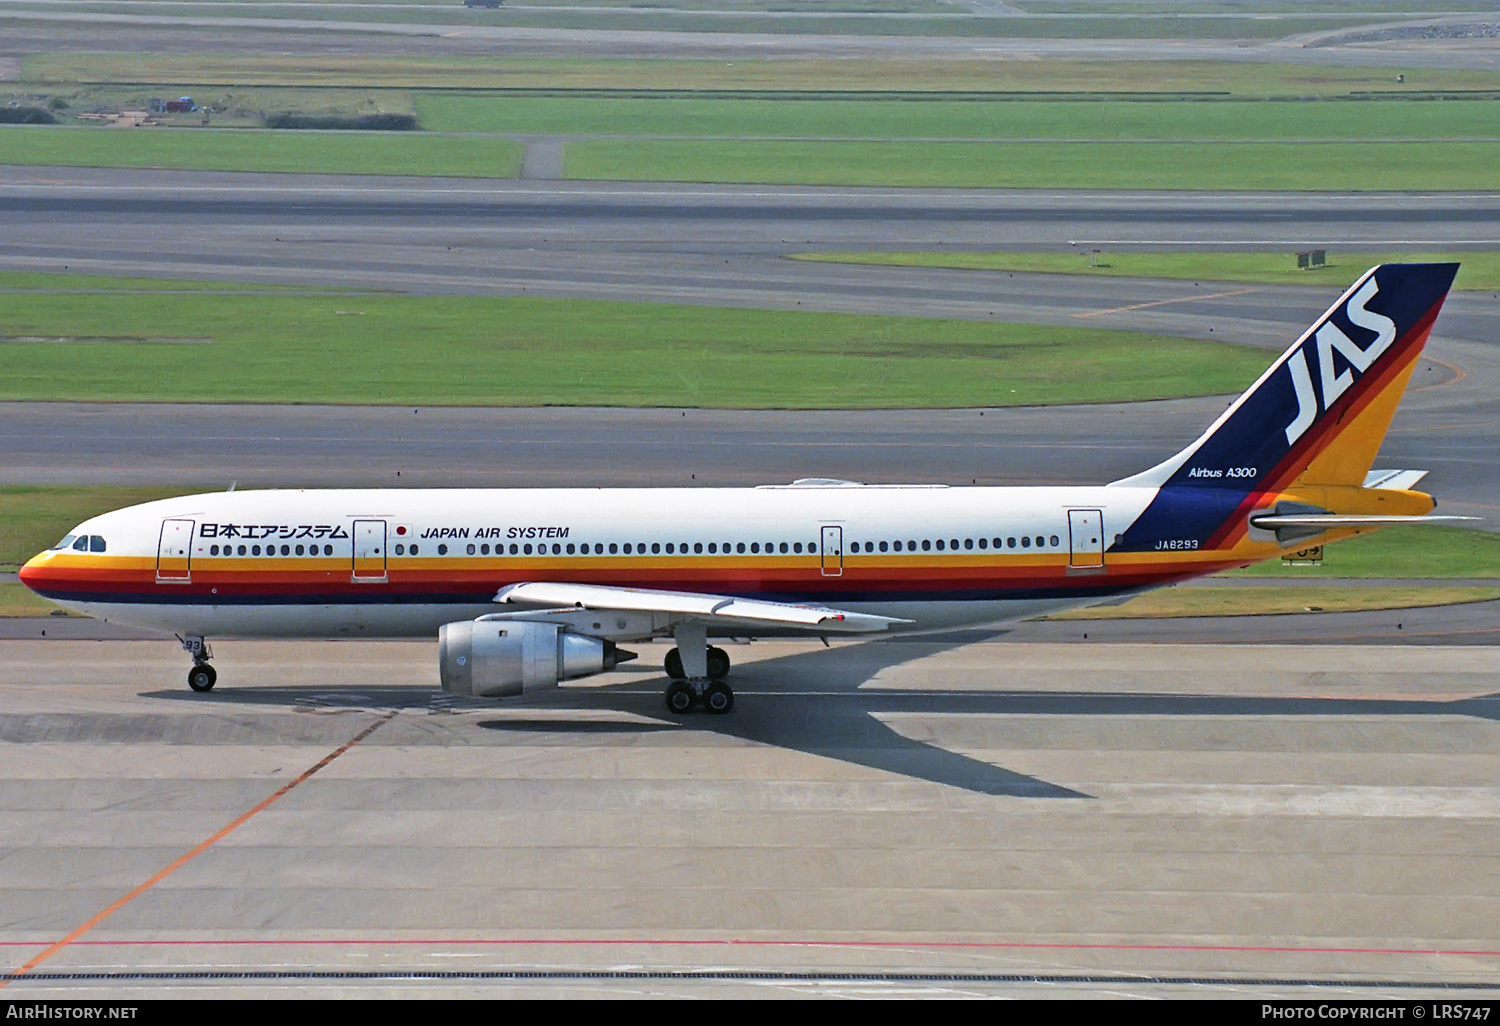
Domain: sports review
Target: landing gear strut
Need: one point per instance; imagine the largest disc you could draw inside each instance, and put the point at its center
(697, 673)
(202, 676)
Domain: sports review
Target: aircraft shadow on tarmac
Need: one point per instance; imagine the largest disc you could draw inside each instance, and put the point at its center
(815, 702)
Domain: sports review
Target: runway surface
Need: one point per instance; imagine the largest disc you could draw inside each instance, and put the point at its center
(51, 30)
(1138, 816)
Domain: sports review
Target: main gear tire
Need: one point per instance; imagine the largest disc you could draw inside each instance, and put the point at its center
(718, 663)
(718, 699)
(680, 698)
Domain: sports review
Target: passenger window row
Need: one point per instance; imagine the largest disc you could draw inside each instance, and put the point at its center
(630, 548)
(734, 548)
(953, 544)
(270, 550)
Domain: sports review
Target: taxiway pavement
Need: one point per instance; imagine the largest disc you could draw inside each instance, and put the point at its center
(1104, 818)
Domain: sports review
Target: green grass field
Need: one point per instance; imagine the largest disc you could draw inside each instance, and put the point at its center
(210, 149)
(1398, 552)
(1355, 167)
(364, 348)
(1479, 270)
(960, 119)
(32, 518)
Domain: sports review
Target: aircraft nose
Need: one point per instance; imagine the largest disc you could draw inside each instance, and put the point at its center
(32, 573)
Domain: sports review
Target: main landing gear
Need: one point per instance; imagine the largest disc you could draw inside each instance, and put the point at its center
(697, 673)
(202, 676)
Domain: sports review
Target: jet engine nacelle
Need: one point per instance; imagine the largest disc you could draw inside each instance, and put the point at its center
(495, 658)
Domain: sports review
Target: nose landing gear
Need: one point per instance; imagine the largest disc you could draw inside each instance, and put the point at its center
(202, 676)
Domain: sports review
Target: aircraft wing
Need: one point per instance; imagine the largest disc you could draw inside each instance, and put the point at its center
(722, 609)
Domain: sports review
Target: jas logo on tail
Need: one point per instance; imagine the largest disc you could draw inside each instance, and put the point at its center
(1330, 339)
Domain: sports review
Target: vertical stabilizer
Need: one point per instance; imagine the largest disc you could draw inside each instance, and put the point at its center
(1317, 416)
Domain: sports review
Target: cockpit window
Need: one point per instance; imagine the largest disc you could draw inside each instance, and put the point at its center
(82, 544)
(67, 542)
(96, 543)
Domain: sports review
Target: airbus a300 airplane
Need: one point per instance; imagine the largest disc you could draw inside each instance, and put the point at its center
(525, 588)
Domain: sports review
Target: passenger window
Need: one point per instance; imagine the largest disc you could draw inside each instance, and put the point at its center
(1025, 542)
(1054, 540)
(939, 545)
(570, 548)
(783, 546)
(796, 546)
(755, 546)
(627, 548)
(953, 544)
(82, 544)
(882, 546)
(527, 549)
(442, 550)
(713, 547)
(1010, 542)
(400, 550)
(739, 547)
(896, 545)
(557, 548)
(613, 548)
(669, 548)
(911, 546)
(213, 550)
(255, 550)
(1040, 541)
(698, 547)
(656, 547)
(514, 548)
(299, 550)
(484, 550)
(96, 543)
(242, 550)
(982, 543)
(286, 550)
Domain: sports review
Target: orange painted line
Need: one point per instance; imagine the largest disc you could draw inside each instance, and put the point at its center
(1164, 302)
(1458, 375)
(202, 847)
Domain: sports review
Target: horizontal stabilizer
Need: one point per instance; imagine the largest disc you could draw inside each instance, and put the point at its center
(724, 609)
(1398, 480)
(1333, 521)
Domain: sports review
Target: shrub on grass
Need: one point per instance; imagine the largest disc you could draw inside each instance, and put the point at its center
(345, 122)
(26, 116)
